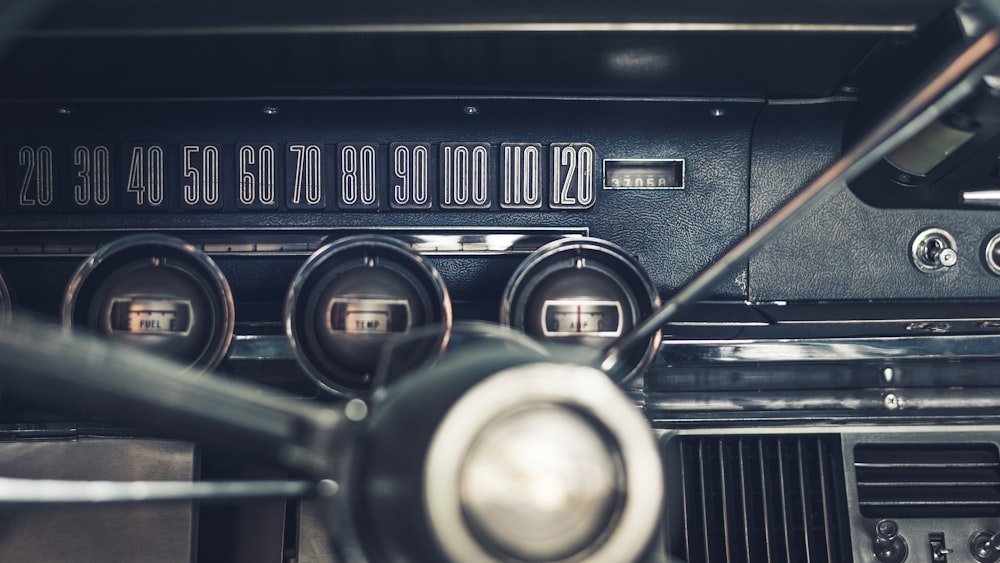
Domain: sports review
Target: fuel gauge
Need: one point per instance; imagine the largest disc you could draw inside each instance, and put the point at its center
(146, 314)
(157, 293)
(582, 291)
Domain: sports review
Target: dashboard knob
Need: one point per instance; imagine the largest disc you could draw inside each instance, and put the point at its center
(984, 548)
(889, 546)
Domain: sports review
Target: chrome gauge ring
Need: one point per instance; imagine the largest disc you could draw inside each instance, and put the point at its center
(581, 291)
(353, 295)
(157, 293)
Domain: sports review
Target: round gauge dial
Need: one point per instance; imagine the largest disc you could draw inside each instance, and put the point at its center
(583, 291)
(157, 293)
(350, 298)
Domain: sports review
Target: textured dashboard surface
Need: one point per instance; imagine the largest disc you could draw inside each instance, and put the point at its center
(846, 249)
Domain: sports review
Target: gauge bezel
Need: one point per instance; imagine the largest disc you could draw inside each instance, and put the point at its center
(301, 289)
(196, 263)
(601, 255)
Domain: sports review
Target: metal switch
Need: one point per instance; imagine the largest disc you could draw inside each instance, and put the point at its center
(933, 250)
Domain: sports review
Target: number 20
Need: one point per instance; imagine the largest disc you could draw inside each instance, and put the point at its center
(37, 186)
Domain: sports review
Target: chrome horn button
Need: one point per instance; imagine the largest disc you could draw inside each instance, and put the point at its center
(540, 484)
(543, 462)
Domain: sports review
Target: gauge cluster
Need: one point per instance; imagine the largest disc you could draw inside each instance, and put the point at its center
(347, 299)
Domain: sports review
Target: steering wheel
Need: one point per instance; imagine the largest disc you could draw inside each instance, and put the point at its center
(503, 450)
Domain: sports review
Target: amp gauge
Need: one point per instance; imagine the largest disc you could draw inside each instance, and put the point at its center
(157, 293)
(350, 298)
(581, 291)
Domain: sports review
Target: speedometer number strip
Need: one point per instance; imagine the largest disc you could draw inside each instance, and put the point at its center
(305, 175)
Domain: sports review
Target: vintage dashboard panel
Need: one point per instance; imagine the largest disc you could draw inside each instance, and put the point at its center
(318, 201)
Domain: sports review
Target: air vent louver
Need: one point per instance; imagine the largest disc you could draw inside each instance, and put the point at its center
(763, 499)
(927, 480)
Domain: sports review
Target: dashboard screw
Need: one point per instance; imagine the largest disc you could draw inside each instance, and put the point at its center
(63, 110)
(270, 110)
(471, 110)
(717, 112)
(891, 402)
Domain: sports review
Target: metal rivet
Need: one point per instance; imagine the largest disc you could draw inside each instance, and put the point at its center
(471, 110)
(891, 402)
(63, 110)
(269, 110)
(717, 112)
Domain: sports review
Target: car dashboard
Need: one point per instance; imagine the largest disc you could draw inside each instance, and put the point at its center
(326, 202)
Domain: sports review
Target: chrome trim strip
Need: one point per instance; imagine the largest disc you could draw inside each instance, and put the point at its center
(911, 400)
(950, 347)
(51, 491)
(844, 429)
(688, 352)
(460, 241)
(491, 27)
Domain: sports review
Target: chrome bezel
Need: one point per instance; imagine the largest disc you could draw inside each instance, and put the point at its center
(214, 276)
(990, 262)
(605, 249)
(296, 291)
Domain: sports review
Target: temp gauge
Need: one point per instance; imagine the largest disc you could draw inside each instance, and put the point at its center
(581, 291)
(157, 293)
(350, 298)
